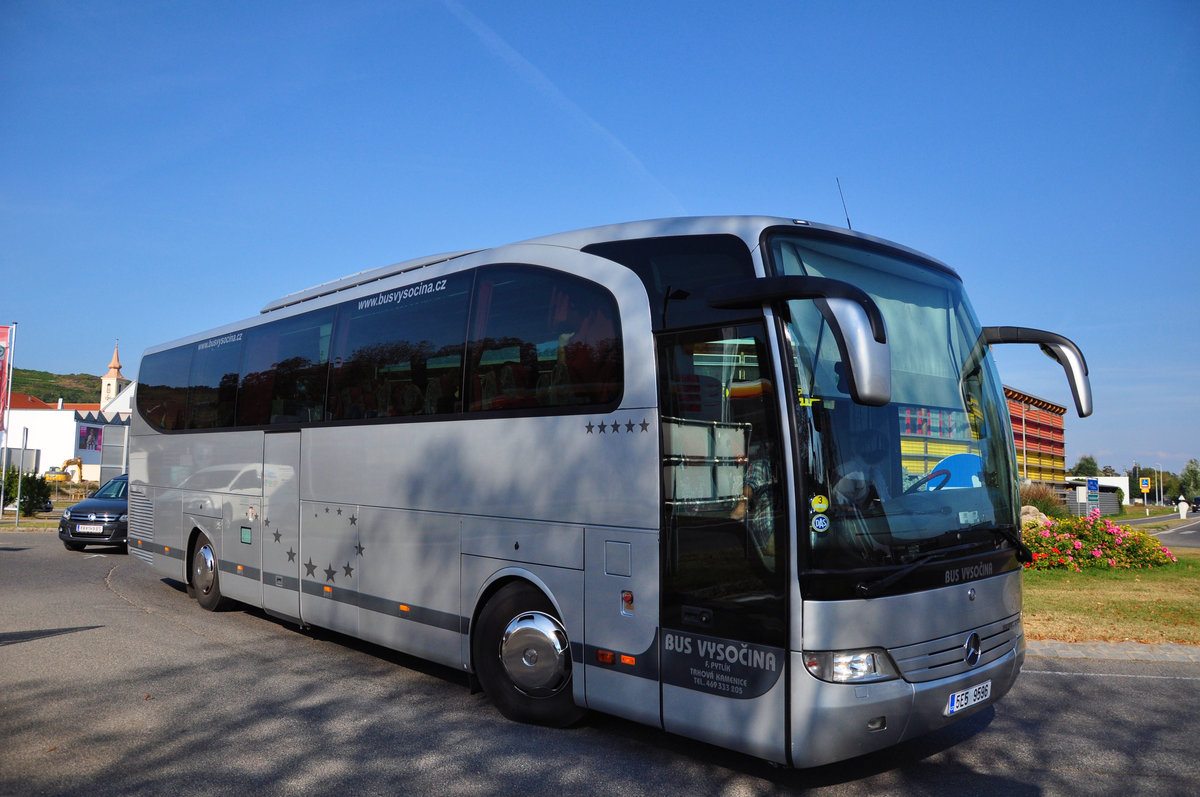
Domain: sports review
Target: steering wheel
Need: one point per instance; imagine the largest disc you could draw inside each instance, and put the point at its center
(942, 474)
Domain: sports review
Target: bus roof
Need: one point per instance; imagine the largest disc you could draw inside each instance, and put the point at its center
(748, 228)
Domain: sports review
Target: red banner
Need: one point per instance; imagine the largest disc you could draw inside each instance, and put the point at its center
(5, 348)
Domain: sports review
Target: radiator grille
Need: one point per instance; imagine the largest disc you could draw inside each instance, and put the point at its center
(946, 657)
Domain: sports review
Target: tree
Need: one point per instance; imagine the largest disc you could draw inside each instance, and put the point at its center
(1086, 466)
(1109, 470)
(1189, 480)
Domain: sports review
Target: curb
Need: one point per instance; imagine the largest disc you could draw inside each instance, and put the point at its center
(1119, 651)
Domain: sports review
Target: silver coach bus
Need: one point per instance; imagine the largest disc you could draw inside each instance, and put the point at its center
(750, 480)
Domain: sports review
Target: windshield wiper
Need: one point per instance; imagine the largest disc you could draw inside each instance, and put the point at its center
(1023, 552)
(875, 587)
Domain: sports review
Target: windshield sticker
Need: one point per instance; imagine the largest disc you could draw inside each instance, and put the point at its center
(820, 503)
(820, 524)
(739, 670)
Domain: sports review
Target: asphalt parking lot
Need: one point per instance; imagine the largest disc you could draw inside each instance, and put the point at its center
(112, 681)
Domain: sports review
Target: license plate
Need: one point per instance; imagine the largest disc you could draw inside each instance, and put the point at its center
(85, 529)
(969, 697)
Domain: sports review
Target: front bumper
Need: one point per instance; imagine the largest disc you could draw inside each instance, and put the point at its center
(833, 722)
(111, 532)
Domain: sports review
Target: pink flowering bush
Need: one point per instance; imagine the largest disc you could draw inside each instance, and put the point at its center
(1088, 542)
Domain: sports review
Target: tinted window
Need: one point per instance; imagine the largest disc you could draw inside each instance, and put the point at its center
(214, 382)
(724, 522)
(399, 353)
(540, 338)
(678, 271)
(162, 389)
(284, 370)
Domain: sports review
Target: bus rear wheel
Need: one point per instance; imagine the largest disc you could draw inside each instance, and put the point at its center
(206, 581)
(523, 658)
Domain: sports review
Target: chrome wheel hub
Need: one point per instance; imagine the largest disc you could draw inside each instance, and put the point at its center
(204, 566)
(536, 654)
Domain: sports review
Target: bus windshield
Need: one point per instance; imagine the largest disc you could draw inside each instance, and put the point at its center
(930, 473)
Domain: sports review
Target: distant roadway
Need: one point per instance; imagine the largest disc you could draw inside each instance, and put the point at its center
(1183, 535)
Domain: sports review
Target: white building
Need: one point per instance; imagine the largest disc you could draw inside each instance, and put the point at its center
(56, 434)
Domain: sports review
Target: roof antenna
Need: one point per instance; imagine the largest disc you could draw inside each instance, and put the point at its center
(843, 196)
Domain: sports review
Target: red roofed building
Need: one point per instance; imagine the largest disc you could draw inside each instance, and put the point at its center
(21, 401)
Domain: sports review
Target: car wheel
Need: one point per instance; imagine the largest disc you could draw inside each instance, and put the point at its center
(523, 658)
(206, 579)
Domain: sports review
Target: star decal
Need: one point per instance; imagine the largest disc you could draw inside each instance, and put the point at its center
(358, 549)
(603, 427)
(267, 522)
(326, 510)
(629, 426)
(353, 520)
(277, 536)
(292, 557)
(348, 570)
(330, 572)
(645, 425)
(590, 427)
(310, 568)
(339, 510)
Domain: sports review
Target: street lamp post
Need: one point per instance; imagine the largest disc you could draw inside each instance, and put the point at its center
(1160, 493)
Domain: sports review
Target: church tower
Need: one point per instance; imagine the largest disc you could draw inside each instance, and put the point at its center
(113, 382)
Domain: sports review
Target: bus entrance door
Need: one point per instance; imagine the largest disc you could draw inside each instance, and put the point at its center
(723, 596)
(281, 524)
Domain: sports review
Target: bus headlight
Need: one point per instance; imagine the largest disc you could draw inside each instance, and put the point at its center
(851, 666)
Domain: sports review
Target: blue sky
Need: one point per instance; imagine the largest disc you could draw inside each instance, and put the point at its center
(168, 167)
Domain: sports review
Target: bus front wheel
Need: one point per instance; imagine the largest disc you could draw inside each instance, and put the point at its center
(523, 658)
(206, 582)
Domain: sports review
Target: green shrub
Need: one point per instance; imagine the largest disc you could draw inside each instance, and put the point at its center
(1045, 499)
(34, 491)
(10, 485)
(1092, 542)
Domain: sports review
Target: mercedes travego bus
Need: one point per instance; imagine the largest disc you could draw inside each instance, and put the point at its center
(749, 480)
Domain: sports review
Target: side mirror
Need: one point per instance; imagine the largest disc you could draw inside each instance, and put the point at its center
(1057, 348)
(853, 318)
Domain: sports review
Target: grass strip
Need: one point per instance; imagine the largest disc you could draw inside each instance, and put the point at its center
(1153, 605)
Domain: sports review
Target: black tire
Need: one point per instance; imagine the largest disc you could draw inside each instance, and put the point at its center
(540, 659)
(73, 546)
(205, 576)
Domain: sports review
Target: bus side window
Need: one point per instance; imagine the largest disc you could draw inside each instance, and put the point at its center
(162, 389)
(400, 357)
(540, 338)
(213, 384)
(284, 370)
